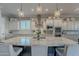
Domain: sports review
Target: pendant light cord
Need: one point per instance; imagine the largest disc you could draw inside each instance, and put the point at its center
(21, 6)
(56, 6)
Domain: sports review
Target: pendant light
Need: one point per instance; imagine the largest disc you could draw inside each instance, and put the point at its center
(57, 12)
(20, 11)
(39, 9)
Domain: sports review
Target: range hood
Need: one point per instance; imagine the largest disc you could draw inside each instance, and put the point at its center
(39, 23)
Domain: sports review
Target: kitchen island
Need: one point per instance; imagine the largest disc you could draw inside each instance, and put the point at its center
(40, 47)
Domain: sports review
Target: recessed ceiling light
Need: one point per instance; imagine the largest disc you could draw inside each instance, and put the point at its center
(77, 9)
(61, 9)
(46, 9)
(32, 9)
(18, 9)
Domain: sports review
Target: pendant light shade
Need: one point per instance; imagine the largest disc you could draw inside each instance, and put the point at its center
(39, 9)
(57, 12)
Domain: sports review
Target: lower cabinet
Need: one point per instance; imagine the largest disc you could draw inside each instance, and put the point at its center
(39, 50)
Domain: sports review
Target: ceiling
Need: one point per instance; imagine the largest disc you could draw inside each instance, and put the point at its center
(10, 9)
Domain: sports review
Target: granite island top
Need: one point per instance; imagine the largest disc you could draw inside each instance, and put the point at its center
(48, 41)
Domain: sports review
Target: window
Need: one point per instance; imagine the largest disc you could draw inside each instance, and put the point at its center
(25, 24)
(24, 41)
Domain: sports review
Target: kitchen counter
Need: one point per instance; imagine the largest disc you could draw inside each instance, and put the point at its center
(48, 41)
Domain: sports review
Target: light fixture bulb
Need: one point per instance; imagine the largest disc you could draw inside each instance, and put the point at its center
(21, 14)
(77, 9)
(32, 9)
(39, 9)
(61, 9)
(18, 10)
(46, 9)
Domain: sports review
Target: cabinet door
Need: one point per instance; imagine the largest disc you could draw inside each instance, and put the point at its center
(39, 50)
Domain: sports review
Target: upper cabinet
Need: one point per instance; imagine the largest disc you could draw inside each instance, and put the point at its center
(54, 22)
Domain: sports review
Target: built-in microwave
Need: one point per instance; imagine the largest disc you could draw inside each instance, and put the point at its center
(49, 29)
(58, 31)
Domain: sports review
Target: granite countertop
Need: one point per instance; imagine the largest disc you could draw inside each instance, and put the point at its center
(48, 41)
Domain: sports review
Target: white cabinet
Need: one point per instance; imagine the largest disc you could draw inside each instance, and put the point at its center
(39, 50)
